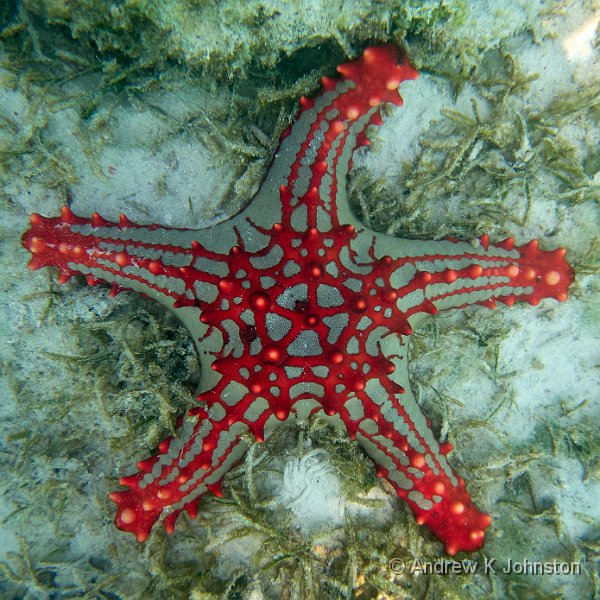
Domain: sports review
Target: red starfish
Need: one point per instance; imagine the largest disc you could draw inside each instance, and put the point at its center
(298, 310)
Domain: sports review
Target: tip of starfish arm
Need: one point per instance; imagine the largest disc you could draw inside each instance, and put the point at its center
(134, 518)
(460, 526)
(542, 273)
(374, 78)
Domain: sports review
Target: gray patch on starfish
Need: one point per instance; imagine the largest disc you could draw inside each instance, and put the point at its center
(306, 343)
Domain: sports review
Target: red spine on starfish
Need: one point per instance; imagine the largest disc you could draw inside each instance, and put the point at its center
(297, 310)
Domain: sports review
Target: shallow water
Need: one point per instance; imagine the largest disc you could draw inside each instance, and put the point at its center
(91, 384)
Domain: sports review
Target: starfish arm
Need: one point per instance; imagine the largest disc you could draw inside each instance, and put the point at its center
(383, 416)
(151, 260)
(187, 467)
(310, 167)
(207, 444)
(432, 276)
(177, 267)
(397, 437)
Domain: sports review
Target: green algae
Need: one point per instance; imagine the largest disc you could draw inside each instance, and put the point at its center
(487, 164)
(113, 52)
(227, 39)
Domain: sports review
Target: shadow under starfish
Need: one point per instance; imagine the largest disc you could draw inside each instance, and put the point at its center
(297, 309)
